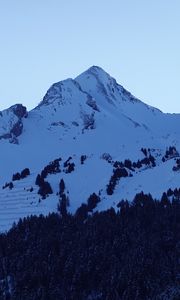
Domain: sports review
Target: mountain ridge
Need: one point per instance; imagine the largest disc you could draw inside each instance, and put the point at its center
(96, 124)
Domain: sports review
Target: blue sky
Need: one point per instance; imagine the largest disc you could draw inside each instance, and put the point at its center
(45, 41)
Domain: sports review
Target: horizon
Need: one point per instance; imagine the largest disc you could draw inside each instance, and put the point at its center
(47, 42)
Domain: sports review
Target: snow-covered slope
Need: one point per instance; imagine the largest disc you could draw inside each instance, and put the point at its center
(93, 116)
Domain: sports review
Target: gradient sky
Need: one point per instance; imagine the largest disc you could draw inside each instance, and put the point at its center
(45, 41)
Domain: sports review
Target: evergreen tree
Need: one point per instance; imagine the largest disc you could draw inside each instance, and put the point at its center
(61, 186)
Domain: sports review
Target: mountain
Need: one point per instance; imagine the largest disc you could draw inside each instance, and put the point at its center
(92, 133)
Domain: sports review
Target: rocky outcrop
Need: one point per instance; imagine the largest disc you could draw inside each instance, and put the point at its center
(11, 122)
(19, 110)
(17, 128)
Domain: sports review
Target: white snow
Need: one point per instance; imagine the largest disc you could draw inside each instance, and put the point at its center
(60, 127)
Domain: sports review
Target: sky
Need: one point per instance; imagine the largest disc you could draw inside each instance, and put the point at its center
(45, 41)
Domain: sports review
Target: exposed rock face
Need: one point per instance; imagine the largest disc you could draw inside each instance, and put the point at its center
(11, 122)
(17, 128)
(19, 110)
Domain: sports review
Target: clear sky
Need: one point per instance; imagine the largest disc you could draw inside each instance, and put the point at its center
(45, 41)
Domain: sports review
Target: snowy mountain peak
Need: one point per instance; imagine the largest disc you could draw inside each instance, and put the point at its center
(55, 92)
(98, 86)
(96, 70)
(102, 86)
(84, 131)
(62, 91)
(97, 82)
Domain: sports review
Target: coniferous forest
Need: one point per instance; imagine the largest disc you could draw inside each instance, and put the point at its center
(132, 253)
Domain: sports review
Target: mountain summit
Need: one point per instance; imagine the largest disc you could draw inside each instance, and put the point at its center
(94, 136)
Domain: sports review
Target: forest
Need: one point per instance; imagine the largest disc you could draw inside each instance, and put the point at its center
(132, 252)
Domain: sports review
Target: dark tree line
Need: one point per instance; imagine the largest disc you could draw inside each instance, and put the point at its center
(9, 185)
(177, 166)
(117, 174)
(69, 166)
(170, 153)
(148, 160)
(52, 168)
(44, 186)
(63, 199)
(130, 254)
(18, 176)
(122, 168)
(86, 208)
